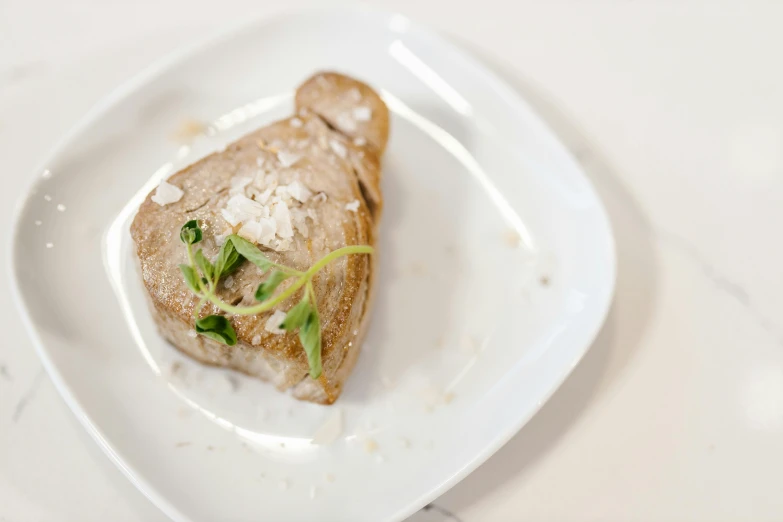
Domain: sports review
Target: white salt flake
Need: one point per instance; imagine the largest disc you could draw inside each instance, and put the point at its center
(230, 217)
(362, 113)
(281, 214)
(192, 334)
(165, 194)
(273, 323)
(354, 94)
(46, 174)
(260, 161)
(353, 206)
(338, 148)
(288, 158)
(251, 231)
(263, 198)
(47, 197)
(241, 209)
(49, 245)
(359, 141)
(238, 184)
(320, 197)
(295, 122)
(256, 340)
(220, 239)
(61, 207)
(268, 230)
(330, 430)
(299, 191)
(346, 122)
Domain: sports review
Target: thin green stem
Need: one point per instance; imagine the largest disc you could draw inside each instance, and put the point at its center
(331, 256)
(304, 279)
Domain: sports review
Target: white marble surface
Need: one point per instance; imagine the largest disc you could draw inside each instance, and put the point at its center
(676, 111)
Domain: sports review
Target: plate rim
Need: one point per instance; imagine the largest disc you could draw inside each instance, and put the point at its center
(159, 66)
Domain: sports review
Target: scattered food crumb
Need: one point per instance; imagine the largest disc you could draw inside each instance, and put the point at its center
(328, 477)
(47, 197)
(49, 245)
(38, 222)
(61, 207)
(175, 368)
(512, 238)
(370, 446)
(284, 484)
(544, 281)
(234, 381)
(183, 444)
(313, 492)
(188, 130)
(256, 340)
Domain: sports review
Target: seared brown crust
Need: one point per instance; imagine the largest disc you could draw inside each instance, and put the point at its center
(343, 289)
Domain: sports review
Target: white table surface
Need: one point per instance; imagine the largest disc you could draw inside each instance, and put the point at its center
(675, 110)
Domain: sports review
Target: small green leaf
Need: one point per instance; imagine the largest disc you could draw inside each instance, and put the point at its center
(191, 233)
(250, 252)
(227, 261)
(204, 265)
(191, 278)
(217, 327)
(267, 288)
(310, 335)
(296, 316)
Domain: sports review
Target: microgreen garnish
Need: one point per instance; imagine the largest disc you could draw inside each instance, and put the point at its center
(202, 277)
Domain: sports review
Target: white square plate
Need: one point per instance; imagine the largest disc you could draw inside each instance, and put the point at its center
(497, 270)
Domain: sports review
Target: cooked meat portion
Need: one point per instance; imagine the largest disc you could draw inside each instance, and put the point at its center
(299, 188)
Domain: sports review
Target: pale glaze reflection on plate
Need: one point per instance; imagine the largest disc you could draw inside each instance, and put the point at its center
(497, 270)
